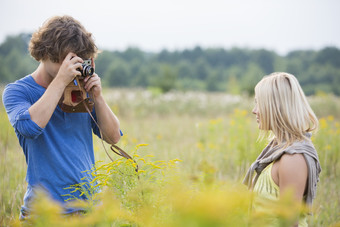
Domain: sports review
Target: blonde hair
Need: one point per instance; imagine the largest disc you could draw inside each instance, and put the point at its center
(284, 109)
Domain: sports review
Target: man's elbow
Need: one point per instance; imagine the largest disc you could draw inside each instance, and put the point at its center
(27, 130)
(113, 139)
(116, 139)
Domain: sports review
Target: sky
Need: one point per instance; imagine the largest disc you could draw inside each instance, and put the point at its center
(153, 25)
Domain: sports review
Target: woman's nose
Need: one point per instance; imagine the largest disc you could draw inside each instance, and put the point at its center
(254, 110)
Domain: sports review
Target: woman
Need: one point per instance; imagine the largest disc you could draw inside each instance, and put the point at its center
(290, 159)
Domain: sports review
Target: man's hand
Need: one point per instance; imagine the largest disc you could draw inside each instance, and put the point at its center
(68, 69)
(93, 84)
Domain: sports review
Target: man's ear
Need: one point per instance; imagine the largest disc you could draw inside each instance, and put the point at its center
(92, 63)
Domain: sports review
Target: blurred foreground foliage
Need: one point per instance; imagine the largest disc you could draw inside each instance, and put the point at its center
(160, 195)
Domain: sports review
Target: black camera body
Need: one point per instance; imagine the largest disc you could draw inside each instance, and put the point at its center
(75, 98)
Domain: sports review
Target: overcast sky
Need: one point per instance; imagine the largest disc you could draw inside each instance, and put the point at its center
(152, 25)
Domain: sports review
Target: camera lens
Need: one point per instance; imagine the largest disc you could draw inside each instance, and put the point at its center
(88, 71)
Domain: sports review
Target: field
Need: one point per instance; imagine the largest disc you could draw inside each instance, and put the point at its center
(193, 150)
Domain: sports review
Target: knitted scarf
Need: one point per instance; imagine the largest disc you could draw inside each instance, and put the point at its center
(271, 154)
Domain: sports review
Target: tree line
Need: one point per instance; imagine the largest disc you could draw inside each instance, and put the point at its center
(232, 70)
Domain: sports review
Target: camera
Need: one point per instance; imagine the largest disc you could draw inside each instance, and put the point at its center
(87, 70)
(75, 98)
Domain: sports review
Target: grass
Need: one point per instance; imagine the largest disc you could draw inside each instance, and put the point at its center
(215, 138)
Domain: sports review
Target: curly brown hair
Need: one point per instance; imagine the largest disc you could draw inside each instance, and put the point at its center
(60, 35)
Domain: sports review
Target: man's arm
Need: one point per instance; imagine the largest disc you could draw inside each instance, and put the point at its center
(42, 110)
(107, 120)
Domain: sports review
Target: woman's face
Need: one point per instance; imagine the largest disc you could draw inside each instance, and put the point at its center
(257, 113)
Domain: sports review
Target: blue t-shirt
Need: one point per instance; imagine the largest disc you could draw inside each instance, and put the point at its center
(56, 155)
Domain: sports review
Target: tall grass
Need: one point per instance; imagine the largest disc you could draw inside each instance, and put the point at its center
(199, 148)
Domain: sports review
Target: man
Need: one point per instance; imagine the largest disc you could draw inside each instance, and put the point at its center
(57, 145)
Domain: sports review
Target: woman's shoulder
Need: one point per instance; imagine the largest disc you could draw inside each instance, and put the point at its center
(292, 166)
(292, 159)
